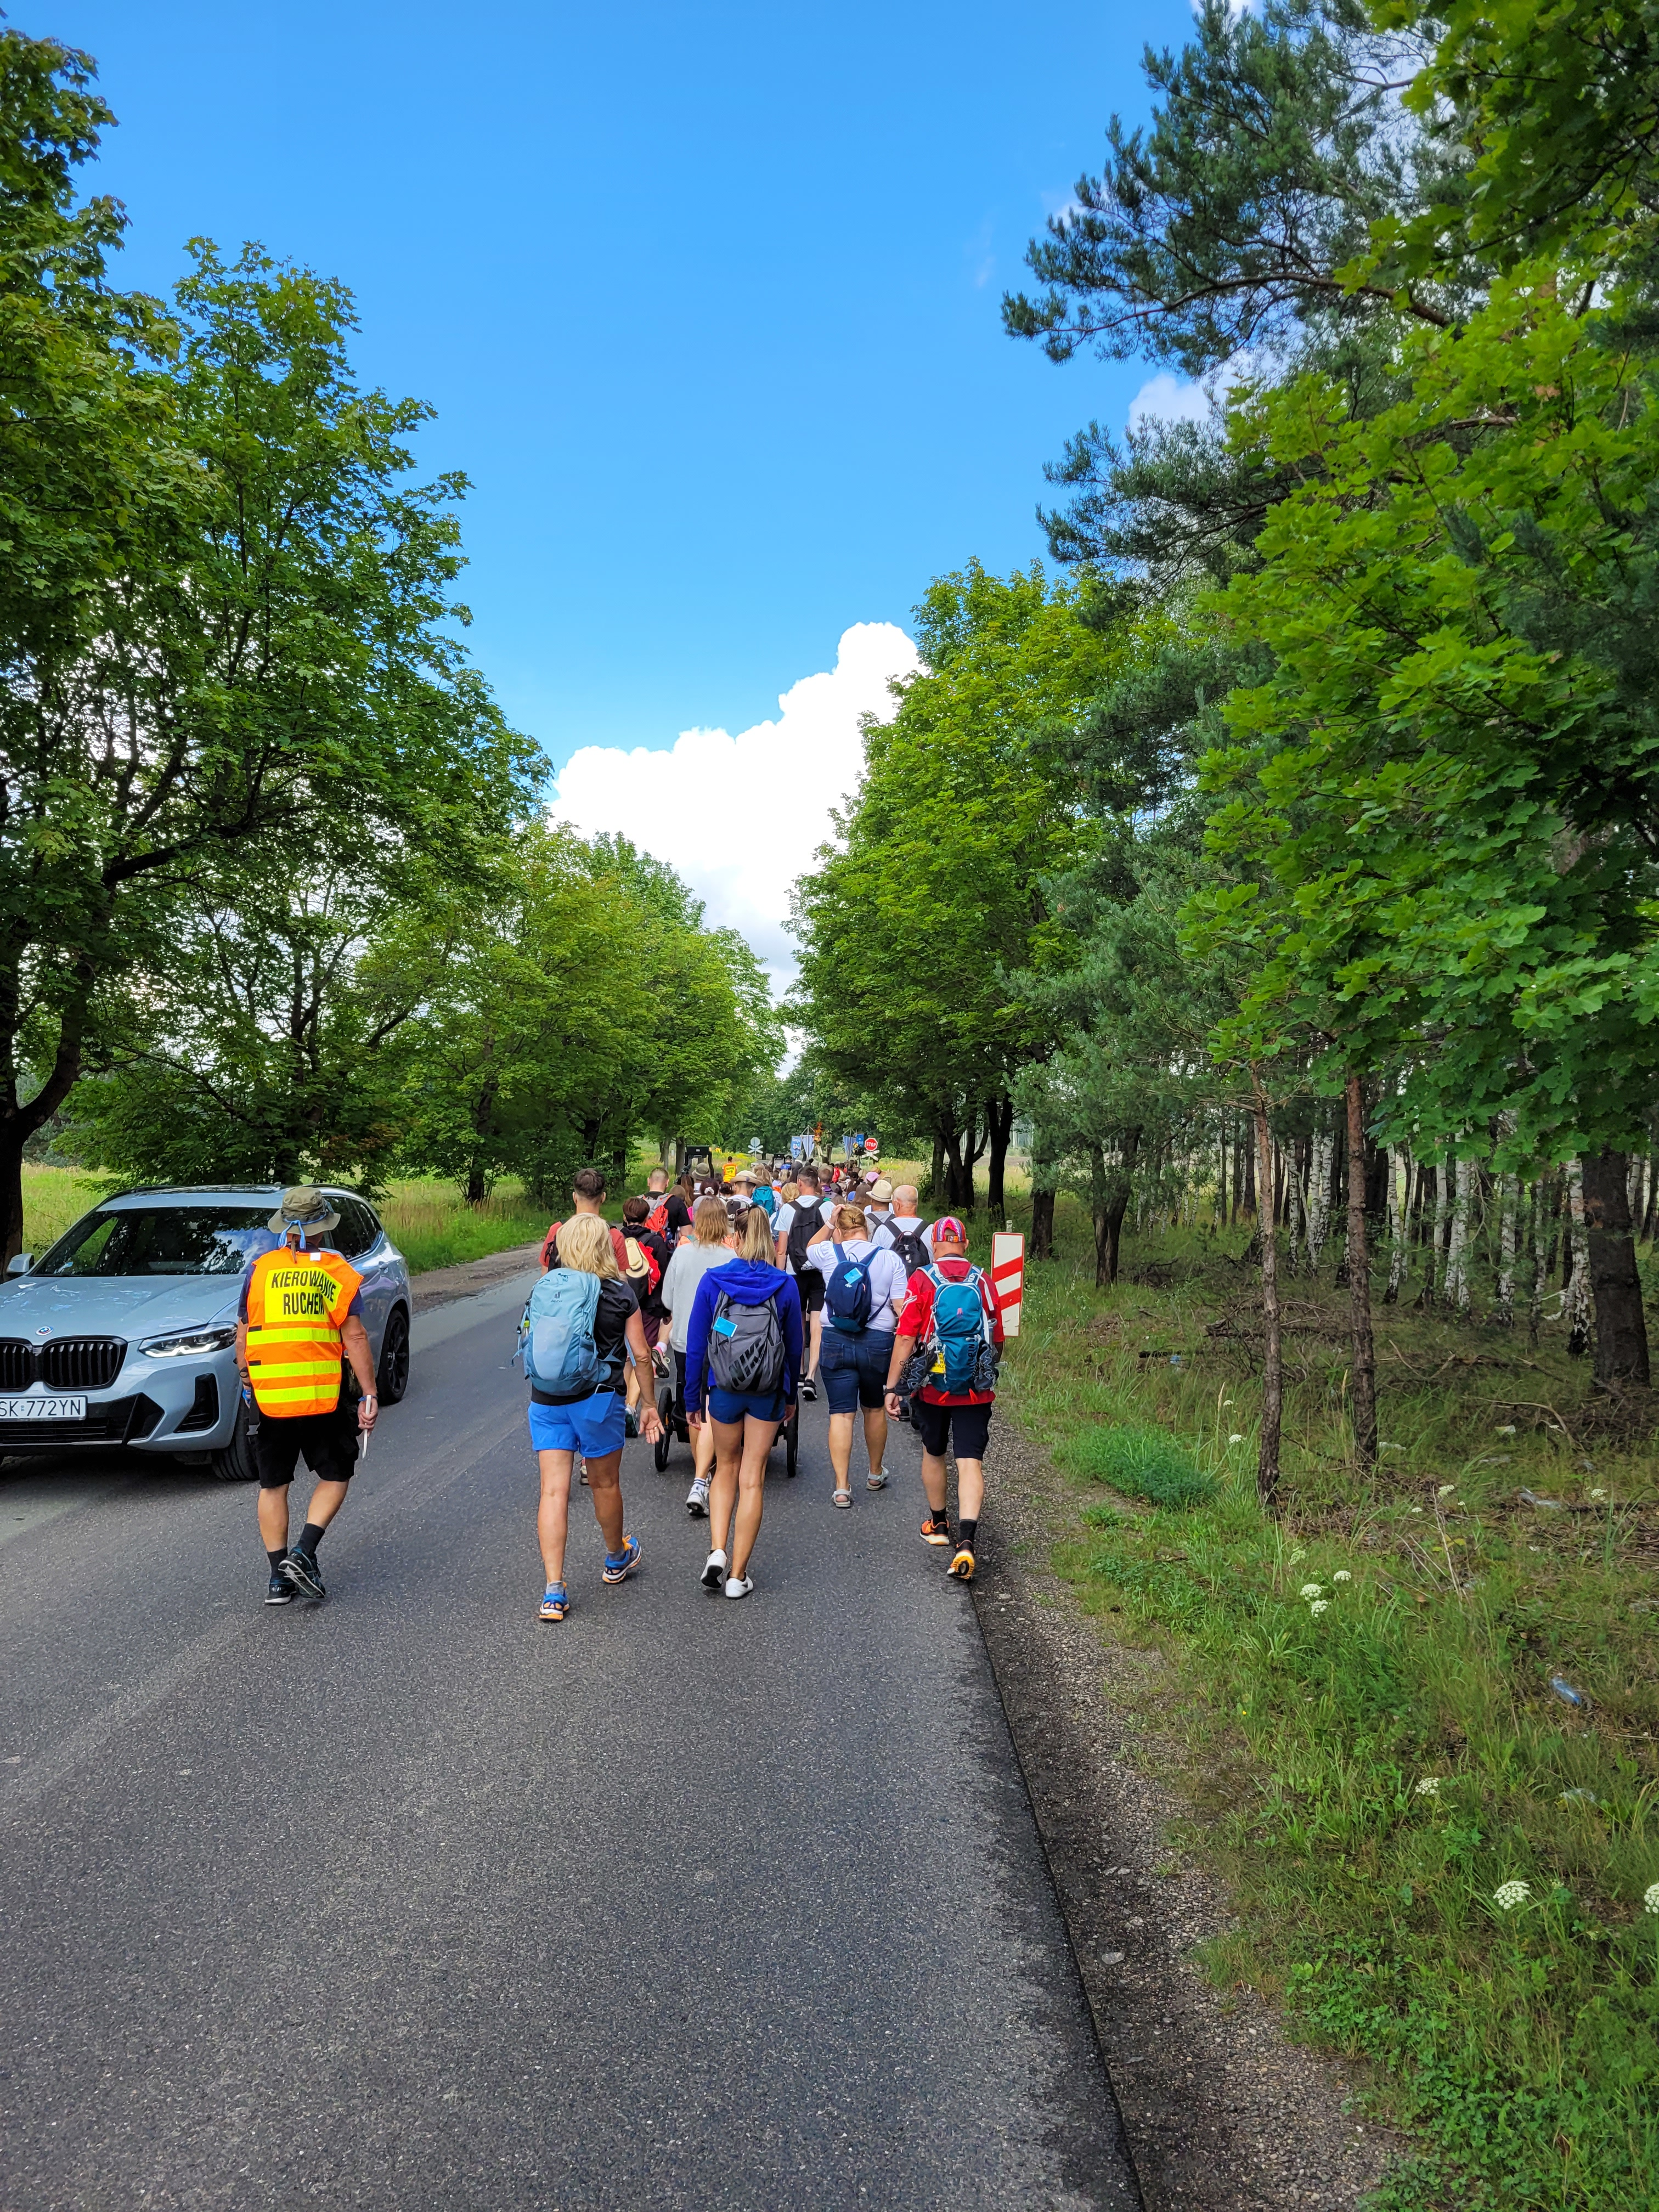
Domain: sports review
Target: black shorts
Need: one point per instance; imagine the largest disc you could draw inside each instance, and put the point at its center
(968, 1427)
(810, 1285)
(327, 1442)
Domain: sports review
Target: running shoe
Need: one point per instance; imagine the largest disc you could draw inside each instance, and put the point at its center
(714, 1572)
(619, 1565)
(555, 1602)
(808, 1389)
(936, 1529)
(300, 1571)
(738, 1585)
(963, 1566)
(279, 1593)
(630, 1422)
(696, 1499)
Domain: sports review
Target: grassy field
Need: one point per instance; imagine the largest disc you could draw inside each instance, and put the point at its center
(1440, 1861)
(55, 1197)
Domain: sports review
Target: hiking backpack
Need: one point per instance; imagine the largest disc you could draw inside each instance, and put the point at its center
(809, 1219)
(911, 1246)
(745, 1348)
(961, 1340)
(556, 1334)
(847, 1297)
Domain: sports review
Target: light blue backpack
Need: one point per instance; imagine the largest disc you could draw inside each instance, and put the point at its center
(557, 1333)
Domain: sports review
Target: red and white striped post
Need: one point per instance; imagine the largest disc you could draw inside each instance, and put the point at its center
(1008, 1276)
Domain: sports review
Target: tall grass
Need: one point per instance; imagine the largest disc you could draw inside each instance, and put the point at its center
(1374, 1746)
(54, 1199)
(432, 1226)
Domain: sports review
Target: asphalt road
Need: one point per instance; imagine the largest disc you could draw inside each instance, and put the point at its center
(407, 1901)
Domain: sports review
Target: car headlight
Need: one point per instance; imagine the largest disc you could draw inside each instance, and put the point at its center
(194, 1343)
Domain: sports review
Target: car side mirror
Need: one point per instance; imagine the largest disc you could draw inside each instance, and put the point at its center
(19, 1263)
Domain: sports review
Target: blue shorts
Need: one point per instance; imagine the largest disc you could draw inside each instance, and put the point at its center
(593, 1426)
(853, 1368)
(731, 1405)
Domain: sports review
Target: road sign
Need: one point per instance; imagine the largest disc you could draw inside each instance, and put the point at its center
(870, 1145)
(1008, 1277)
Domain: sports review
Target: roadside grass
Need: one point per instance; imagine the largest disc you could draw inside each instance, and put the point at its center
(1371, 1778)
(432, 1226)
(55, 1198)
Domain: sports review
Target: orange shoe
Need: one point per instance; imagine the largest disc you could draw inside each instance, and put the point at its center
(936, 1529)
(963, 1566)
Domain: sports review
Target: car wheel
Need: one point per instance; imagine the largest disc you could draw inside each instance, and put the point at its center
(392, 1376)
(235, 1462)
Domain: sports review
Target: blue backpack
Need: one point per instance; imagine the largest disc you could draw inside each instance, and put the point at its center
(961, 1335)
(847, 1298)
(556, 1334)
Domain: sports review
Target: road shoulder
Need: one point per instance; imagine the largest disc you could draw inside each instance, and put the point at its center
(1223, 2114)
(441, 1286)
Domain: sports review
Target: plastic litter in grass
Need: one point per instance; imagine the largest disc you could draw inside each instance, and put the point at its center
(1565, 1691)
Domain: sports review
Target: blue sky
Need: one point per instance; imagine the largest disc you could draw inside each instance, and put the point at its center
(706, 296)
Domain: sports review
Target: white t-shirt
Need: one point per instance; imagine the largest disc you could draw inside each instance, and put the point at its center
(686, 1266)
(887, 1277)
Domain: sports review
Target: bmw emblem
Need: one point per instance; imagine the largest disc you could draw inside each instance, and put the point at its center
(43, 1332)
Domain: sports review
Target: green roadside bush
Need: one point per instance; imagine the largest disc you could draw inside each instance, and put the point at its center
(1140, 1463)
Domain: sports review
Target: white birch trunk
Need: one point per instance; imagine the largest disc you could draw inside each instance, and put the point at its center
(1319, 1195)
(1399, 1218)
(1576, 1306)
(1458, 1251)
(1508, 1204)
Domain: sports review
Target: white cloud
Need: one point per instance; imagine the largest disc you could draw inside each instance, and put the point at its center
(1166, 398)
(741, 817)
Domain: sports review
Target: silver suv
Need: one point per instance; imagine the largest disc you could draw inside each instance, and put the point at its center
(124, 1334)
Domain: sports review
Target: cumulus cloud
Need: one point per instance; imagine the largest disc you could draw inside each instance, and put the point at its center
(1166, 398)
(741, 817)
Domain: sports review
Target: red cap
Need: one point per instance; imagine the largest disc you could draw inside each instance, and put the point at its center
(948, 1225)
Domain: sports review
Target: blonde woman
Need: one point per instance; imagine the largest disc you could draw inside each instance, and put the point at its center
(710, 1245)
(743, 1348)
(863, 1296)
(589, 1420)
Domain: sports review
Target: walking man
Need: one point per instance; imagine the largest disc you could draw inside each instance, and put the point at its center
(952, 1310)
(301, 1311)
(796, 1226)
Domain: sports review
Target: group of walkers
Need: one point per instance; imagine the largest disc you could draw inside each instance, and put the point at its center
(764, 1304)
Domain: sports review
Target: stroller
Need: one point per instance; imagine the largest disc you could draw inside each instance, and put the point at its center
(674, 1425)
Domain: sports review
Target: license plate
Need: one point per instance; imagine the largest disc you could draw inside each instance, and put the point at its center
(43, 1409)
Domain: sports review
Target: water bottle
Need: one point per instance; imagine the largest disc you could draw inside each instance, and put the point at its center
(1565, 1691)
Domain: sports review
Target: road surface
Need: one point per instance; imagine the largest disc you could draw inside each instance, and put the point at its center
(406, 1901)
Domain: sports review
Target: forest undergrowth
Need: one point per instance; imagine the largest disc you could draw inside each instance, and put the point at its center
(1417, 1713)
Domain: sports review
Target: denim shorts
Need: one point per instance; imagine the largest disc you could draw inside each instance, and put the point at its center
(593, 1426)
(731, 1405)
(853, 1368)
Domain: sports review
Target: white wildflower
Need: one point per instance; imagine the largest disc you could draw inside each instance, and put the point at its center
(1650, 1897)
(1342, 1575)
(1313, 1589)
(1429, 1786)
(1509, 1894)
(1445, 1490)
(1598, 1494)
(1296, 1555)
(1417, 1508)
(1320, 1605)
(1235, 1438)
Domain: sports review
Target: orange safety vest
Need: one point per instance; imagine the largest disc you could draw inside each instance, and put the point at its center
(296, 1302)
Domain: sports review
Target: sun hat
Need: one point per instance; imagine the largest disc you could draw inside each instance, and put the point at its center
(881, 1190)
(303, 1206)
(948, 1226)
(744, 1175)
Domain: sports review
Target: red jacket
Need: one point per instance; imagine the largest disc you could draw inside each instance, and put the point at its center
(917, 1321)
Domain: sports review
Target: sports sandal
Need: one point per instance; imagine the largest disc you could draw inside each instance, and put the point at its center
(556, 1603)
(842, 1497)
(875, 1481)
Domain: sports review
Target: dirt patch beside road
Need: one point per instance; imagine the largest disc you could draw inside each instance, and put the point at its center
(439, 1286)
(1222, 2112)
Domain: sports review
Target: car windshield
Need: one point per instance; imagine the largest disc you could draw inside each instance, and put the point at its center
(162, 1240)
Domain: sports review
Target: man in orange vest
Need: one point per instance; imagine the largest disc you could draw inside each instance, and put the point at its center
(301, 1311)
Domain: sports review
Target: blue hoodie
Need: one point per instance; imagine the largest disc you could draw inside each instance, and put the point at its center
(746, 1283)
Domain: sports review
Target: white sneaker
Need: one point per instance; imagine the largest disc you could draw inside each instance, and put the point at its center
(737, 1585)
(714, 1572)
(696, 1499)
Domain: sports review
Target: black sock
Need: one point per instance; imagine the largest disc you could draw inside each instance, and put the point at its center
(275, 1558)
(966, 1531)
(310, 1536)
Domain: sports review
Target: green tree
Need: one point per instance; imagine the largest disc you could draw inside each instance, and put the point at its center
(910, 930)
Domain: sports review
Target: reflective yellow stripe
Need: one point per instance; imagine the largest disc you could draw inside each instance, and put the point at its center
(268, 1396)
(261, 1334)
